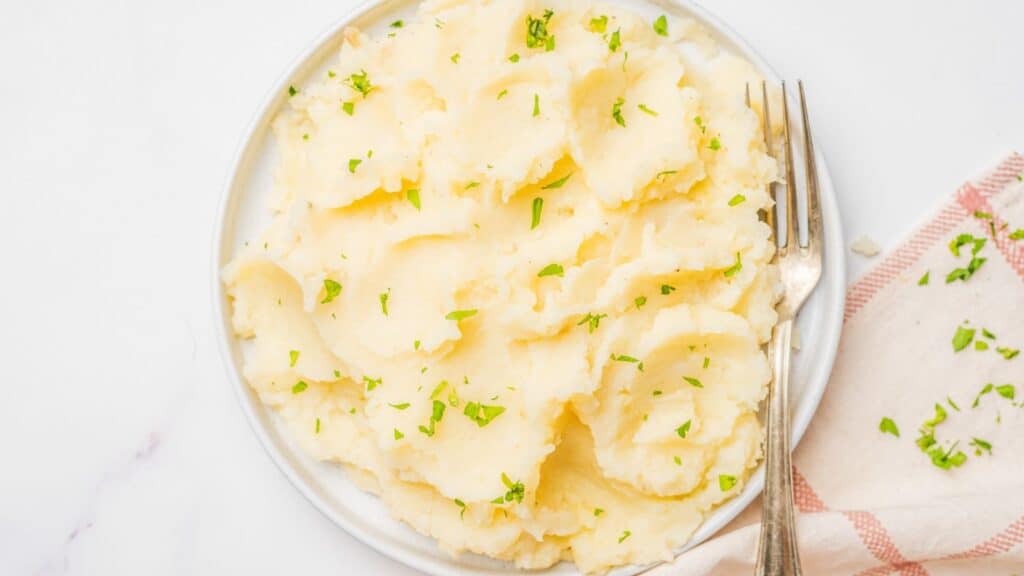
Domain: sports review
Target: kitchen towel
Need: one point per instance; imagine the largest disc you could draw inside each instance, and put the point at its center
(872, 503)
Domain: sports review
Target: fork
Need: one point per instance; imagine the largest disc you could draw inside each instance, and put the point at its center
(799, 266)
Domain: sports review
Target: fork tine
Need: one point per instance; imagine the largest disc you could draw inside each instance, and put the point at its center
(791, 226)
(766, 129)
(814, 231)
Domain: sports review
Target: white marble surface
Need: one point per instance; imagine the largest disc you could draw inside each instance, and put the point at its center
(123, 450)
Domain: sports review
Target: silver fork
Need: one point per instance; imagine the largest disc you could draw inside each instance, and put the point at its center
(800, 269)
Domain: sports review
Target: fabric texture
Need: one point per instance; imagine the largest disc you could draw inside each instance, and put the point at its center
(871, 503)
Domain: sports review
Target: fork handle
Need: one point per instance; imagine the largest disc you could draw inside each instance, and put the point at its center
(777, 553)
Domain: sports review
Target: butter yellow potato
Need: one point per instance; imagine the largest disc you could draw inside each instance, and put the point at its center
(515, 279)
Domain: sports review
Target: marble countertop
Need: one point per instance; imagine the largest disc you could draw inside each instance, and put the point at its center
(124, 451)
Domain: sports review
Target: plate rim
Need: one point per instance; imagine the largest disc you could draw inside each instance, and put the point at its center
(834, 274)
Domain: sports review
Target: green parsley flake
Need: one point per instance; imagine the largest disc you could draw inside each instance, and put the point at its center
(661, 26)
(536, 105)
(384, 301)
(962, 338)
(963, 274)
(372, 383)
(667, 289)
(305, 136)
(982, 215)
(349, 107)
(677, 460)
(700, 124)
(715, 144)
(413, 196)
(331, 289)
(639, 301)
(293, 357)
(317, 429)
(537, 34)
(598, 512)
(551, 270)
(1006, 391)
(693, 381)
(437, 413)
(625, 534)
(707, 362)
(482, 414)
(737, 200)
(682, 430)
(980, 445)
(977, 399)
(299, 386)
(416, 345)
(924, 279)
(472, 185)
(964, 239)
(593, 320)
(353, 164)
(664, 173)
(947, 459)
(502, 94)
(513, 58)
(516, 490)
(535, 210)
(643, 108)
(337, 373)
(397, 24)
(455, 58)
(656, 393)
(952, 404)
(887, 426)
(461, 505)
(1017, 234)
(557, 183)
(732, 270)
(401, 406)
(331, 74)
(360, 83)
(1008, 353)
(292, 91)
(624, 358)
(726, 482)
(617, 112)
(980, 345)
(599, 24)
(987, 334)
(615, 41)
(398, 434)
(460, 314)
(439, 389)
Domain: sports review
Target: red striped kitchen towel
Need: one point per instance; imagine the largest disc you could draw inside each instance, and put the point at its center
(872, 503)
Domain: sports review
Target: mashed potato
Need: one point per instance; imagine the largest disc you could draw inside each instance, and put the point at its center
(516, 281)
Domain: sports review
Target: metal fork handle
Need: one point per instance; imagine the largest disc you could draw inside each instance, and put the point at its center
(777, 553)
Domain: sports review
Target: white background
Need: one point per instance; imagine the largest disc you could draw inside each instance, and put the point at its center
(122, 450)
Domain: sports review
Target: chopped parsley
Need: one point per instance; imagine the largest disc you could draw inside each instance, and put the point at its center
(684, 429)
(1006, 391)
(598, 511)
(439, 389)
(887, 426)
(977, 399)
(384, 301)
(460, 314)
(962, 338)
(707, 362)
(372, 383)
(677, 460)
(437, 413)
(625, 534)
(964, 239)
(980, 345)
(337, 373)
(462, 505)
(732, 270)
(551, 270)
(700, 124)
(726, 482)
(471, 185)
(401, 406)
(535, 210)
(737, 200)
(331, 289)
(537, 34)
(398, 434)
(617, 112)
(715, 144)
(624, 358)
(516, 490)
(980, 445)
(455, 58)
(331, 74)
(513, 58)
(360, 83)
(299, 386)
(1008, 353)
(661, 26)
(536, 105)
(592, 320)
(482, 414)
(1017, 234)
(353, 163)
(924, 279)
(599, 24)
(693, 381)
(987, 334)
(293, 357)
(349, 107)
(656, 393)
(664, 173)
(317, 429)
(964, 274)
(643, 108)
(397, 24)
(292, 91)
(413, 196)
(667, 289)
(557, 183)
(947, 459)
(615, 41)
(952, 404)
(502, 94)
(416, 345)
(639, 301)
(982, 215)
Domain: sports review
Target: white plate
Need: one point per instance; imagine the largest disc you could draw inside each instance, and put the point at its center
(243, 215)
